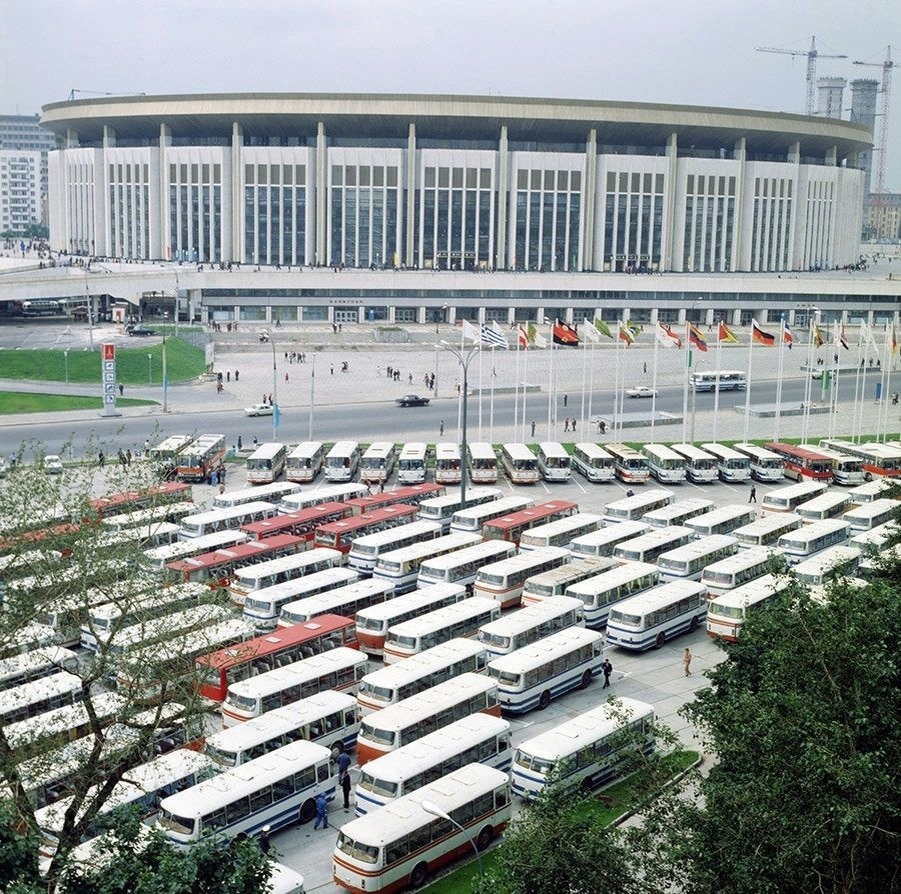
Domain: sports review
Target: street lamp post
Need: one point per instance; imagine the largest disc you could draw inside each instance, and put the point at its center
(275, 413)
(165, 382)
(433, 809)
(438, 318)
(150, 369)
(66, 361)
(464, 363)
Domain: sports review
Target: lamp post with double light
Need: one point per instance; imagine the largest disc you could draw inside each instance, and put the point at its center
(434, 810)
(464, 363)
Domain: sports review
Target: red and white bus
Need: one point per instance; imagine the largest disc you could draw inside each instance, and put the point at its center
(155, 495)
(216, 568)
(801, 462)
(511, 527)
(199, 458)
(285, 645)
(302, 523)
(341, 534)
(411, 494)
(878, 460)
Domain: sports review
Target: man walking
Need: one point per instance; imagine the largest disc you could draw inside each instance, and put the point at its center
(753, 496)
(345, 788)
(441, 429)
(607, 668)
(533, 429)
(321, 811)
(686, 661)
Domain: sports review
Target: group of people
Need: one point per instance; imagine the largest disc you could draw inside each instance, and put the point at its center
(569, 424)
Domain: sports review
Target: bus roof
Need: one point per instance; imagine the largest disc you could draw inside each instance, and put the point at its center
(659, 596)
(613, 577)
(526, 560)
(422, 597)
(367, 519)
(525, 618)
(487, 550)
(251, 549)
(269, 450)
(537, 653)
(427, 548)
(753, 591)
(414, 666)
(398, 532)
(440, 617)
(539, 511)
(305, 449)
(298, 672)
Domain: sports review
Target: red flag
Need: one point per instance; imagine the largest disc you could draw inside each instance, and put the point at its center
(523, 337)
(761, 337)
(695, 337)
(564, 335)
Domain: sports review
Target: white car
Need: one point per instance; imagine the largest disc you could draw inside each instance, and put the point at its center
(53, 465)
(640, 391)
(258, 410)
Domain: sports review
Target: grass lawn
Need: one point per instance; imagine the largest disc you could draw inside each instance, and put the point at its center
(24, 402)
(616, 800)
(183, 362)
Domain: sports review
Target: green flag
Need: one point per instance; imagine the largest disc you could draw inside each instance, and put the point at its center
(827, 380)
(602, 327)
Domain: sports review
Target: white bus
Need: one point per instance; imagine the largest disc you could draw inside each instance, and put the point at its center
(342, 460)
(329, 718)
(400, 844)
(249, 579)
(474, 518)
(634, 507)
(723, 380)
(788, 499)
(482, 463)
(648, 620)
(531, 676)
(878, 536)
(554, 462)
(604, 590)
(584, 752)
(159, 556)
(345, 600)
(27, 700)
(556, 581)
(365, 551)
(837, 561)
(377, 462)
(827, 505)
(677, 513)
(400, 567)
(872, 514)
(461, 566)
(727, 613)
(412, 718)
(561, 532)
(869, 491)
(811, 539)
(765, 465)
(411, 465)
(602, 542)
(477, 739)
(723, 520)
(689, 561)
(443, 509)
(448, 467)
(166, 451)
(372, 623)
(151, 515)
(148, 536)
(331, 493)
(520, 464)
(649, 546)
(463, 618)
(275, 790)
(726, 574)
(593, 462)
(340, 669)
(530, 624)
(273, 492)
(304, 461)
(628, 464)
(503, 581)
(396, 682)
(667, 466)
(266, 463)
(28, 666)
(846, 470)
(767, 530)
(263, 608)
(214, 520)
(732, 465)
(700, 466)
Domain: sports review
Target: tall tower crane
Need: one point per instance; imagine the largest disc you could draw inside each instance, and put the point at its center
(812, 55)
(881, 142)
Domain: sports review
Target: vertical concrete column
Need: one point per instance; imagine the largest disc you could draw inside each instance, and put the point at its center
(165, 236)
(669, 224)
(109, 137)
(736, 317)
(740, 154)
(503, 166)
(235, 251)
(421, 316)
(831, 157)
(793, 155)
(102, 198)
(680, 319)
(589, 200)
(321, 165)
(791, 318)
(481, 315)
(655, 318)
(708, 316)
(391, 314)
(71, 139)
(410, 197)
(511, 316)
(451, 316)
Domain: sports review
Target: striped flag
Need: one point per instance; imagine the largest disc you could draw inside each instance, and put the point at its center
(563, 334)
(626, 334)
(523, 336)
(842, 339)
(767, 339)
(818, 338)
(602, 327)
(892, 340)
(695, 338)
(724, 333)
(493, 337)
(535, 338)
(668, 338)
(787, 337)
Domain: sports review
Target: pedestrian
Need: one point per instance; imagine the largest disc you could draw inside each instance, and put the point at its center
(146, 446)
(686, 661)
(410, 378)
(222, 474)
(221, 488)
(321, 811)
(630, 492)
(565, 399)
(607, 668)
(228, 375)
(101, 459)
(331, 368)
(753, 496)
(128, 456)
(214, 478)
(343, 762)
(441, 429)
(237, 374)
(345, 788)
(566, 423)
(382, 486)
(533, 428)
(645, 366)
(572, 423)
(121, 389)
(270, 400)
(286, 377)
(264, 840)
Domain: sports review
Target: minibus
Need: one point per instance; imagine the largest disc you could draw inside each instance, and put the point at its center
(556, 581)
(377, 462)
(809, 540)
(520, 464)
(593, 462)
(628, 464)
(503, 581)
(266, 463)
(723, 520)
(872, 514)
(411, 468)
(442, 509)
(765, 465)
(700, 466)
(448, 466)
(553, 461)
(828, 505)
(648, 620)
(304, 461)
(727, 613)
(274, 492)
(667, 466)
(602, 542)
(677, 513)
(530, 624)
(788, 499)
(767, 530)
(732, 465)
(634, 507)
(561, 532)
(365, 551)
(482, 463)
(689, 561)
(649, 546)
(342, 460)
(476, 517)
(604, 590)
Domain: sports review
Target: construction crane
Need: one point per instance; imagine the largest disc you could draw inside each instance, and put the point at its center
(881, 142)
(812, 55)
(75, 92)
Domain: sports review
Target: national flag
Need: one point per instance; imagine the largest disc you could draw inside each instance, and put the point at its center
(590, 332)
(762, 338)
(695, 338)
(818, 338)
(787, 337)
(827, 380)
(626, 334)
(724, 333)
(602, 327)
(564, 334)
(866, 335)
(535, 338)
(668, 338)
(890, 341)
(493, 336)
(523, 336)
(633, 327)
(842, 339)
(470, 332)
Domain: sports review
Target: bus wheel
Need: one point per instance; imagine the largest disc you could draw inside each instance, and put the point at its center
(693, 625)
(544, 700)
(307, 811)
(484, 838)
(661, 639)
(868, 476)
(419, 875)
(586, 680)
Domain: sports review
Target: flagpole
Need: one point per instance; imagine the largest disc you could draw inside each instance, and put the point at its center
(591, 376)
(685, 384)
(886, 381)
(854, 430)
(481, 389)
(491, 402)
(716, 382)
(584, 375)
(516, 377)
(525, 391)
(654, 380)
(808, 383)
(460, 384)
(779, 372)
(748, 386)
(550, 385)
(833, 397)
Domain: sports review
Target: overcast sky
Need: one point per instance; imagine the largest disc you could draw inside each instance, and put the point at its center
(697, 52)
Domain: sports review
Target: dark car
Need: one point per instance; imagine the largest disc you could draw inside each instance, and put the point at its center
(412, 400)
(141, 330)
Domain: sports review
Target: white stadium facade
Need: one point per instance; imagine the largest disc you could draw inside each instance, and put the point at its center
(409, 197)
